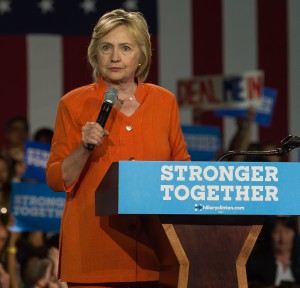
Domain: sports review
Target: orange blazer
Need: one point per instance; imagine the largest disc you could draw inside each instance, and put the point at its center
(111, 248)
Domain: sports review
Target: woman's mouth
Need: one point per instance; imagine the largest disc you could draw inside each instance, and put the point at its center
(115, 69)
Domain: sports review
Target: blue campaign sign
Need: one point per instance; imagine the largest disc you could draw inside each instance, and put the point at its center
(203, 142)
(264, 113)
(36, 157)
(196, 188)
(35, 207)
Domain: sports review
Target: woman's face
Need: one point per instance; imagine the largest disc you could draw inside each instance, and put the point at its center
(283, 238)
(118, 56)
(17, 133)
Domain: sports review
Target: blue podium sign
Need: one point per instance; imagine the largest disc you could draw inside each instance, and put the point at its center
(196, 188)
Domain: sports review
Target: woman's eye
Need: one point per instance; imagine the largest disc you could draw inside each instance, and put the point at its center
(126, 48)
(105, 47)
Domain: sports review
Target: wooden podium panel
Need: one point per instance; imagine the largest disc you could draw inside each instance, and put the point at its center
(217, 248)
(205, 251)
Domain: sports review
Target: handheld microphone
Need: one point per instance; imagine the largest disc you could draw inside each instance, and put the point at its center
(110, 96)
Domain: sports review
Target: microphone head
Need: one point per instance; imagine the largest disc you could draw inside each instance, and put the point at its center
(290, 142)
(111, 95)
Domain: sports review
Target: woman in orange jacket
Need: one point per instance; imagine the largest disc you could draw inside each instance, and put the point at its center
(142, 125)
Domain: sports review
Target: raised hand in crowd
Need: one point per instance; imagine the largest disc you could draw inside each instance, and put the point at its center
(241, 139)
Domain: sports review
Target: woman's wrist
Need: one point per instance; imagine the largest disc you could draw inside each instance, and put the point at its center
(85, 146)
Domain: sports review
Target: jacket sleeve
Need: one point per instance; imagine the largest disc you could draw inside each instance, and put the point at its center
(66, 138)
(177, 142)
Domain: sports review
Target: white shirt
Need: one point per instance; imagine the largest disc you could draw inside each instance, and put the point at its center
(283, 275)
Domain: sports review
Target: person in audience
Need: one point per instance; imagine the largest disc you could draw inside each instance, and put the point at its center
(13, 266)
(4, 277)
(16, 133)
(38, 273)
(42, 272)
(275, 262)
(4, 236)
(43, 135)
(25, 251)
(242, 137)
(6, 173)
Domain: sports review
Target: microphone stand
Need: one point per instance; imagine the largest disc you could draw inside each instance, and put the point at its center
(287, 145)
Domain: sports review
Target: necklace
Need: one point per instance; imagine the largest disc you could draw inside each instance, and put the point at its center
(122, 101)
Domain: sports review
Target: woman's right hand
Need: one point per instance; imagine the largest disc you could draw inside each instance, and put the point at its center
(92, 133)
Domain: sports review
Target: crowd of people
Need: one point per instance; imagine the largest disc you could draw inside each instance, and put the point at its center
(27, 259)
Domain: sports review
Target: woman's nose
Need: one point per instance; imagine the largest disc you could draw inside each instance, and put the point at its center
(115, 57)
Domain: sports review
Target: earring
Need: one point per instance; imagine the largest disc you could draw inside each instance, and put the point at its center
(139, 65)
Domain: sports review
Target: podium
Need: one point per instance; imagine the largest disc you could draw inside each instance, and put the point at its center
(202, 218)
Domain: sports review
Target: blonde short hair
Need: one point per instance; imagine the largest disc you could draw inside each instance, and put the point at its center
(138, 28)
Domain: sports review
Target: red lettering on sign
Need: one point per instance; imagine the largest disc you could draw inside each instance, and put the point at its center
(255, 87)
(207, 93)
(195, 92)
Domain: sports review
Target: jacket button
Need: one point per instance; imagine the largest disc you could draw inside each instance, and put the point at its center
(129, 128)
